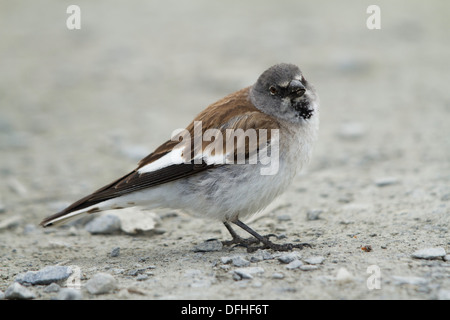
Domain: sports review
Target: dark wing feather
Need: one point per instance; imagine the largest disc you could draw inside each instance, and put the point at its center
(133, 182)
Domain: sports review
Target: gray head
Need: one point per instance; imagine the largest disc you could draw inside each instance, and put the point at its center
(282, 91)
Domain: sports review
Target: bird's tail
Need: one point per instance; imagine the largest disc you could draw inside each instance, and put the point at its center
(95, 202)
(65, 216)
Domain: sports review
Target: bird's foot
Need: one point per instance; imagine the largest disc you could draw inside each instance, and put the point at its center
(252, 243)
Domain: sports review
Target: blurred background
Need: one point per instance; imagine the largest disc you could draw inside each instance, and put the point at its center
(79, 108)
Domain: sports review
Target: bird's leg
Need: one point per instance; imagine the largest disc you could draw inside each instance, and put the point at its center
(266, 243)
(237, 239)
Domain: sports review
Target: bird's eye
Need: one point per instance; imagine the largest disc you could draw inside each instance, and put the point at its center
(273, 90)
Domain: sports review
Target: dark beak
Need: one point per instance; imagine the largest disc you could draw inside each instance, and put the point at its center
(296, 88)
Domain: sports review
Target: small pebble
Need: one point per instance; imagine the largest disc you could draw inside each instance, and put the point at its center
(238, 277)
(294, 264)
(263, 255)
(52, 287)
(314, 214)
(46, 275)
(143, 259)
(429, 253)
(386, 181)
(256, 258)
(101, 283)
(118, 271)
(106, 224)
(344, 276)
(289, 257)
(209, 246)
(115, 252)
(314, 260)
(226, 260)
(18, 292)
(277, 275)
(135, 272)
(247, 273)
(142, 277)
(308, 267)
(133, 220)
(346, 198)
(238, 261)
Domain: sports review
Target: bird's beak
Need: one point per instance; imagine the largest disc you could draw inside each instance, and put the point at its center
(296, 88)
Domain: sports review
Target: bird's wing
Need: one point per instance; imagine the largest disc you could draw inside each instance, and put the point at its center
(174, 159)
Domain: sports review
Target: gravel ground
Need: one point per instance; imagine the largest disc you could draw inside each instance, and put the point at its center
(78, 108)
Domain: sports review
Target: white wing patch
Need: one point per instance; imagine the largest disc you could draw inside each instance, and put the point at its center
(172, 158)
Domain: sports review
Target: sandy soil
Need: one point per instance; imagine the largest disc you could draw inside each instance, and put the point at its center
(78, 108)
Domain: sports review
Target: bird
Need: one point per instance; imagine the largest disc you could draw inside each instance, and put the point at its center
(229, 163)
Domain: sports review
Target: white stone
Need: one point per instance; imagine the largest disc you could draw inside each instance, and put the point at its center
(101, 283)
(294, 264)
(289, 257)
(344, 276)
(134, 220)
(19, 292)
(429, 253)
(247, 273)
(314, 260)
